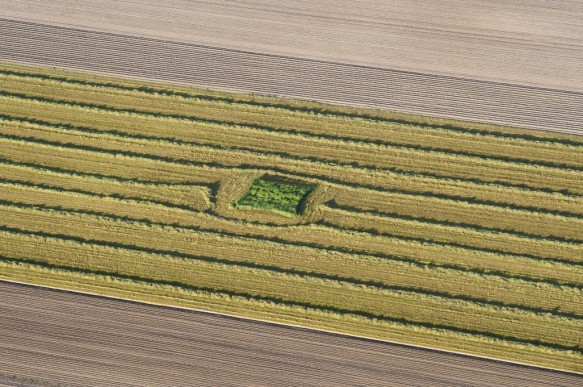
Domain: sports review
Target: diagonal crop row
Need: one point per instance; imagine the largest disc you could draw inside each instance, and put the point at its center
(271, 120)
(422, 249)
(188, 196)
(441, 212)
(436, 163)
(432, 311)
(517, 221)
(314, 108)
(298, 314)
(423, 229)
(316, 259)
(307, 121)
(436, 276)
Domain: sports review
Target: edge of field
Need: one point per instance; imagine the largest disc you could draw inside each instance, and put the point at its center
(148, 299)
(321, 107)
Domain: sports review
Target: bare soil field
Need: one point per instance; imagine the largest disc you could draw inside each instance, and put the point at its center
(515, 63)
(137, 344)
(536, 43)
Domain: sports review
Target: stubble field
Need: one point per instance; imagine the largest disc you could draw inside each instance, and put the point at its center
(439, 233)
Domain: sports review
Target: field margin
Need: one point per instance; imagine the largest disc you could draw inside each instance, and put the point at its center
(139, 301)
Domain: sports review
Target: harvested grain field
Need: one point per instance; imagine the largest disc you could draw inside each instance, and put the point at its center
(445, 234)
(514, 63)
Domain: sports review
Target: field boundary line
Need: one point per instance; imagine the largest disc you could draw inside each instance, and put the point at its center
(293, 326)
(290, 131)
(114, 34)
(341, 311)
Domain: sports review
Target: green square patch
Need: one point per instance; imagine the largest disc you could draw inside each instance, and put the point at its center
(276, 196)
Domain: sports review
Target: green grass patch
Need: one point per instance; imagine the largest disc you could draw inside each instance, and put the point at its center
(267, 194)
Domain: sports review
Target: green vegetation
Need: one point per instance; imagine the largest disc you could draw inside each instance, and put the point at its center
(271, 195)
(433, 232)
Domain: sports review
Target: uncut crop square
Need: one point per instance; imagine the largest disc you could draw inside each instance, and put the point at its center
(271, 195)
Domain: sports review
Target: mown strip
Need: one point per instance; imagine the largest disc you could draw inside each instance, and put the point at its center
(347, 218)
(187, 196)
(88, 189)
(114, 164)
(424, 250)
(293, 105)
(322, 120)
(409, 247)
(521, 222)
(267, 122)
(441, 211)
(108, 164)
(399, 276)
(432, 231)
(425, 310)
(263, 251)
(436, 163)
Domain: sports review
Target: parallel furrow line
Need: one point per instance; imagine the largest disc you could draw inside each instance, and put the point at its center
(219, 101)
(303, 302)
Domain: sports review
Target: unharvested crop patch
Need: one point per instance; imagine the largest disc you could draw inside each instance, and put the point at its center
(441, 233)
(271, 194)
